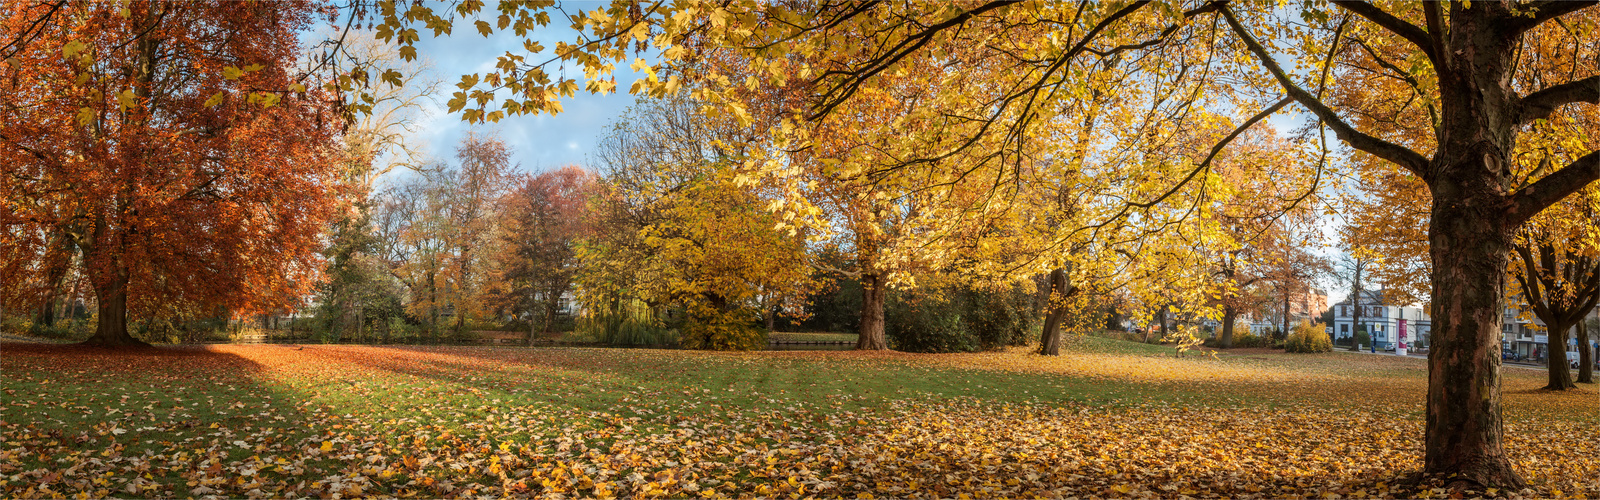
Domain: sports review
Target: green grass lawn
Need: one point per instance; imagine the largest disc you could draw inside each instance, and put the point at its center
(812, 337)
(1108, 418)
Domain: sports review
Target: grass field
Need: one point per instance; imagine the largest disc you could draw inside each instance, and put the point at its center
(1107, 419)
(811, 337)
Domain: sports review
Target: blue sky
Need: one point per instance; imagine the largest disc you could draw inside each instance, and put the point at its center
(539, 142)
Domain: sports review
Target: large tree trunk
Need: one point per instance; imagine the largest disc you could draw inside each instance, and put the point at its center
(1470, 251)
(1585, 354)
(1050, 336)
(871, 336)
(1229, 315)
(112, 329)
(1560, 372)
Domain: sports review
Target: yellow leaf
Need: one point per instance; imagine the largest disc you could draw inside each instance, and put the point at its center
(327, 446)
(125, 99)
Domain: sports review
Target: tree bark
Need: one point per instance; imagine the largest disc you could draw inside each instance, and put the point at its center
(871, 336)
(1355, 319)
(1287, 297)
(112, 327)
(1560, 372)
(1470, 251)
(550, 307)
(533, 330)
(1050, 336)
(1585, 354)
(1229, 315)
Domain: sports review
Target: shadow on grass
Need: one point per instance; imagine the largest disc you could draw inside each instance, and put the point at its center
(149, 421)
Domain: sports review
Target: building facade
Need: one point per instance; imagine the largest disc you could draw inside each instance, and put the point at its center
(1385, 323)
(1528, 339)
(1304, 307)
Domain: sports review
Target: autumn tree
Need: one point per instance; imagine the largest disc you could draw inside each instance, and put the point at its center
(542, 219)
(1261, 216)
(479, 180)
(677, 228)
(435, 231)
(1557, 274)
(152, 137)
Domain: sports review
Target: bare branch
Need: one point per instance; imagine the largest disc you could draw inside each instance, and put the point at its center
(1400, 155)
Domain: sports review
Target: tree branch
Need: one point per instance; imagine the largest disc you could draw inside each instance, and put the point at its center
(1545, 10)
(1411, 32)
(1530, 200)
(1545, 101)
(836, 94)
(1400, 155)
(1216, 149)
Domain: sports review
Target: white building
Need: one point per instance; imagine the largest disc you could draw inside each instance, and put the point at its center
(1384, 322)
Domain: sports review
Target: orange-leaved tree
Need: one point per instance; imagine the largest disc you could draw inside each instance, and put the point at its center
(170, 144)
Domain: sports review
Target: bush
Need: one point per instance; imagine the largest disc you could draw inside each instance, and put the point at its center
(996, 318)
(1247, 339)
(734, 330)
(15, 325)
(1309, 337)
(624, 323)
(926, 323)
(836, 308)
(960, 319)
(75, 330)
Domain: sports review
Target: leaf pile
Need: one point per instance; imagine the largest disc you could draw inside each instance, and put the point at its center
(274, 421)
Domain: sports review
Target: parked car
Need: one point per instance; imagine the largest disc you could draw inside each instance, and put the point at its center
(1507, 354)
(1572, 359)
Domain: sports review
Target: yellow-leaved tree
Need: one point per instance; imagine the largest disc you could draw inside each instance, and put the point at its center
(677, 231)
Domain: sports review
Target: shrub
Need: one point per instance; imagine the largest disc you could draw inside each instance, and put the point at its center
(960, 319)
(1247, 339)
(996, 318)
(15, 325)
(734, 330)
(1309, 337)
(916, 321)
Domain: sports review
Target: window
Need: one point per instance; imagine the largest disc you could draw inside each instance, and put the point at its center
(1344, 329)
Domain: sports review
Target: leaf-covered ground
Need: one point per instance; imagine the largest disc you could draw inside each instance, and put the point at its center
(1108, 419)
